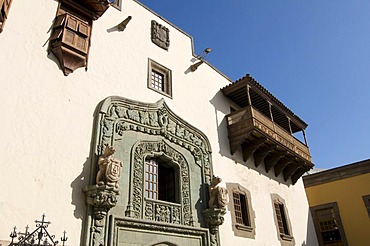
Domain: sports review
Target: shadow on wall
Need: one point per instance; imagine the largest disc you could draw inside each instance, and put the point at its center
(83, 180)
(200, 206)
(218, 102)
(311, 237)
(78, 196)
(222, 106)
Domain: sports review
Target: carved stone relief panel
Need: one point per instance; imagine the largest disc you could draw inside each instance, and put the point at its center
(160, 35)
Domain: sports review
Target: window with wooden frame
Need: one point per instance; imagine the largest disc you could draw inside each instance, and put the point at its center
(328, 224)
(242, 214)
(72, 31)
(159, 78)
(160, 181)
(281, 218)
(282, 221)
(241, 209)
(5, 6)
(367, 203)
(70, 37)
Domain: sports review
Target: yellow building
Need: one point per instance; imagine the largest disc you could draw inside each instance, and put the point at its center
(339, 201)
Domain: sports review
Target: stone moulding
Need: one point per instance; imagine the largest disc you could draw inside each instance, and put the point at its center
(101, 198)
(183, 231)
(214, 217)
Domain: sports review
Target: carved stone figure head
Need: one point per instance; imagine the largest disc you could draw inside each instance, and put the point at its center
(109, 150)
(215, 180)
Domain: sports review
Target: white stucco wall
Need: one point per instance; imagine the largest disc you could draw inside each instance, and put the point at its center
(47, 119)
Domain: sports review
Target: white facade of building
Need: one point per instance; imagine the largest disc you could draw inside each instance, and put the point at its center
(47, 120)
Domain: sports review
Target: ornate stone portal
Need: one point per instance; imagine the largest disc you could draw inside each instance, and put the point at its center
(138, 130)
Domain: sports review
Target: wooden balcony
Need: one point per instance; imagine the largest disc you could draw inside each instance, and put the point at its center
(268, 143)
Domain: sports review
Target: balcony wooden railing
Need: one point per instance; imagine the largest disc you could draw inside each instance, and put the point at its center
(268, 142)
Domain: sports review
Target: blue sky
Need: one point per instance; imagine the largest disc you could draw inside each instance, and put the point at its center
(312, 55)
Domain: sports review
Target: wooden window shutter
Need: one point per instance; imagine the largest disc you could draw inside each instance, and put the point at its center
(83, 29)
(58, 27)
(59, 20)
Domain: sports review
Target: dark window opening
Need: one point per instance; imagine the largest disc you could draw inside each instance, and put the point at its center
(166, 185)
(241, 209)
(281, 218)
(160, 181)
(328, 226)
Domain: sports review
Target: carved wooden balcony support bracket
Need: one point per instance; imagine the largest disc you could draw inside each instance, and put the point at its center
(271, 161)
(249, 149)
(281, 164)
(300, 171)
(290, 169)
(260, 156)
(238, 141)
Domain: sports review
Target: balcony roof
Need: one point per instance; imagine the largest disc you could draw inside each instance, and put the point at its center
(261, 98)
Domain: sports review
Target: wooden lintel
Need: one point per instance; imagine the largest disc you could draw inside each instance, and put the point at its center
(290, 169)
(269, 163)
(281, 164)
(249, 149)
(297, 174)
(261, 155)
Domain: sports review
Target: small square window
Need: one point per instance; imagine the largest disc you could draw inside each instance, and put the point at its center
(159, 78)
